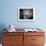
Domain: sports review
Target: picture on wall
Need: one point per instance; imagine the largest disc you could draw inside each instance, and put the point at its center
(26, 14)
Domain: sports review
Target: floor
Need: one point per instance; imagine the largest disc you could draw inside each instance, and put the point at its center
(0, 44)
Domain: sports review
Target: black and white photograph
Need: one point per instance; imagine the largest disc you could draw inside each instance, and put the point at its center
(26, 14)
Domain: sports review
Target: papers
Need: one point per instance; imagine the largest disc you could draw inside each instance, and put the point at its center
(26, 30)
(11, 28)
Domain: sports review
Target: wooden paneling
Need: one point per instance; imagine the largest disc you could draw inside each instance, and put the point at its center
(27, 41)
(13, 39)
(23, 39)
(34, 39)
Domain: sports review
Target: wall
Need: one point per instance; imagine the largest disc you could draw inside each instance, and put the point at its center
(9, 13)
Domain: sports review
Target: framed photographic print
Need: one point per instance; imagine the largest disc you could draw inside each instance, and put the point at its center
(26, 14)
